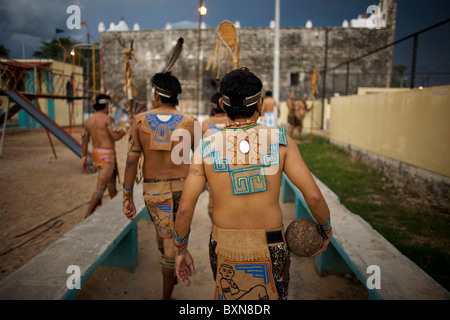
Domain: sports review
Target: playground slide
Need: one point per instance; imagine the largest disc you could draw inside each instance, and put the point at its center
(11, 112)
(46, 122)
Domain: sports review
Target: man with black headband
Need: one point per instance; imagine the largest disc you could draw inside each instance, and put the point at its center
(100, 127)
(154, 135)
(243, 165)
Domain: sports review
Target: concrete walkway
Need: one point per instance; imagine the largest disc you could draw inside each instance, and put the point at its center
(146, 281)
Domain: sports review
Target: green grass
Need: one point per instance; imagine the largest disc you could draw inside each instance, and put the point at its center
(419, 232)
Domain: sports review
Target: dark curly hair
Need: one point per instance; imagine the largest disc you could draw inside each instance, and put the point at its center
(238, 85)
(167, 82)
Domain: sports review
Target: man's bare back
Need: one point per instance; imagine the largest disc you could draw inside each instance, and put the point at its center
(249, 211)
(158, 164)
(269, 104)
(98, 126)
(251, 199)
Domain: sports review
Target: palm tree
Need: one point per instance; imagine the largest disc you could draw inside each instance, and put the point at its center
(4, 52)
(53, 50)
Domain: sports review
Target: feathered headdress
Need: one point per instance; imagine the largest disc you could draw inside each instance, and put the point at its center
(176, 52)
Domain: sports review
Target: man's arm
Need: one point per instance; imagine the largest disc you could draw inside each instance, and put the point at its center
(130, 173)
(193, 187)
(299, 174)
(115, 135)
(84, 148)
(192, 129)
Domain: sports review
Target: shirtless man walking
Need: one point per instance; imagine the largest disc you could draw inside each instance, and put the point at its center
(270, 110)
(293, 115)
(243, 165)
(154, 135)
(303, 110)
(99, 128)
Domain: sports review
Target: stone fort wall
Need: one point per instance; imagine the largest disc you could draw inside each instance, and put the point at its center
(301, 51)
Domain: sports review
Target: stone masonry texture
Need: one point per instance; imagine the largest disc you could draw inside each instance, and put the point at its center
(301, 51)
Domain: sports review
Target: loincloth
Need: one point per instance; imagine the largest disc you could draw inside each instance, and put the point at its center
(162, 197)
(270, 119)
(294, 120)
(249, 264)
(102, 157)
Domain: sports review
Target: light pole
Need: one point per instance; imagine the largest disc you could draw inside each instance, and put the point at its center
(276, 55)
(201, 12)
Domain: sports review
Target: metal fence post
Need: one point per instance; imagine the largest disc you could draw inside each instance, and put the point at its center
(413, 63)
(347, 78)
(324, 76)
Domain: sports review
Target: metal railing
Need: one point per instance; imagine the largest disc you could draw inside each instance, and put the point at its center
(39, 78)
(419, 59)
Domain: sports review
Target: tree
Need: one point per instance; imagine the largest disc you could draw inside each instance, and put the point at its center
(4, 52)
(52, 50)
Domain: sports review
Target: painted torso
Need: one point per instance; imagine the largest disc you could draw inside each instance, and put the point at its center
(246, 155)
(161, 126)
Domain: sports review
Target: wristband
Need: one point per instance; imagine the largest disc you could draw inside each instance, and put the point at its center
(326, 228)
(181, 243)
(327, 224)
(127, 194)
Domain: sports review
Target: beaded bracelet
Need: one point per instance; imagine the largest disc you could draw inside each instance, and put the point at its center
(181, 243)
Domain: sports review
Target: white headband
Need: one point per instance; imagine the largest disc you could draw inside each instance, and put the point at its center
(162, 92)
(247, 102)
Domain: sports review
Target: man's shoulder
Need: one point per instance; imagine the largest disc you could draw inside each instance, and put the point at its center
(155, 113)
(187, 116)
(96, 118)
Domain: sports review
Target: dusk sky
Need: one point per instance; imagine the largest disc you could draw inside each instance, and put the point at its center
(34, 21)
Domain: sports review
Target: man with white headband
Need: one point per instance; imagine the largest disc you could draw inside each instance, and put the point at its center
(154, 135)
(99, 127)
(243, 165)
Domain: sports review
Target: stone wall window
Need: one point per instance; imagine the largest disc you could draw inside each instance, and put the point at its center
(294, 79)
